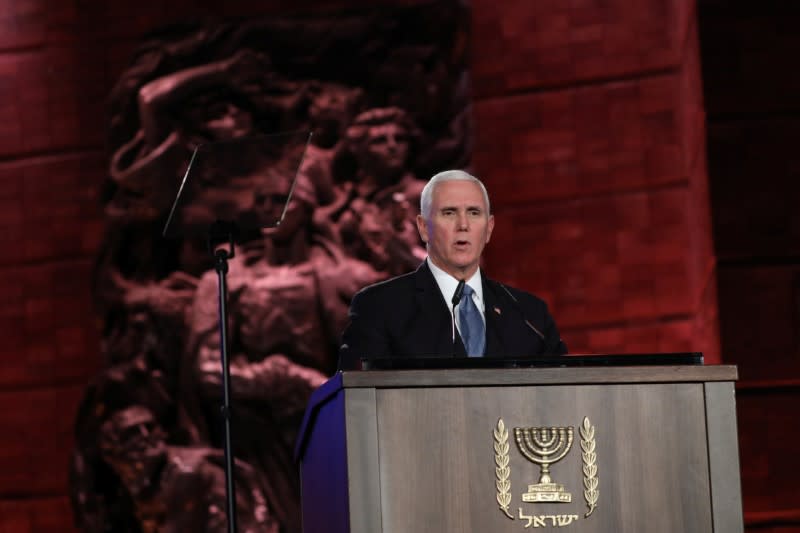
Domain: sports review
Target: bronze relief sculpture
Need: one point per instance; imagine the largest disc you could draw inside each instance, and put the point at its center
(387, 100)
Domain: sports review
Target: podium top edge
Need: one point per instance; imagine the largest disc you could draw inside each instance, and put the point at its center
(537, 376)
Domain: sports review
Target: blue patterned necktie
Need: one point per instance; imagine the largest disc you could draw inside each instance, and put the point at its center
(473, 331)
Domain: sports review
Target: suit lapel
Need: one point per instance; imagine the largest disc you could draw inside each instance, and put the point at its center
(498, 323)
(435, 318)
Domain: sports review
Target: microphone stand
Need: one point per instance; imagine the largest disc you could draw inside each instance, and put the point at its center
(221, 238)
(219, 233)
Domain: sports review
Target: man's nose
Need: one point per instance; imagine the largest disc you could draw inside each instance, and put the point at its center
(463, 221)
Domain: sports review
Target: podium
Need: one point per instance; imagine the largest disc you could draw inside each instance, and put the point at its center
(592, 449)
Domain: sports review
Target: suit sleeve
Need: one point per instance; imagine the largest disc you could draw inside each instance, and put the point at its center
(365, 334)
(536, 310)
(554, 345)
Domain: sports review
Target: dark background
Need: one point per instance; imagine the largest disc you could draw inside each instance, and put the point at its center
(641, 159)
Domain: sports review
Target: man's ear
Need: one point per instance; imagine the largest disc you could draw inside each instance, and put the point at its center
(422, 227)
(489, 228)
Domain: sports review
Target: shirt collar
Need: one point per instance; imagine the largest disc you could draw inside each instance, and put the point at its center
(448, 284)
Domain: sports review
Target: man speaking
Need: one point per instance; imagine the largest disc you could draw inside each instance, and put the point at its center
(448, 307)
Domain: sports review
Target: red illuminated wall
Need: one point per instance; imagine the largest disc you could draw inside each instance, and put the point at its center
(591, 137)
(751, 90)
(590, 133)
(53, 79)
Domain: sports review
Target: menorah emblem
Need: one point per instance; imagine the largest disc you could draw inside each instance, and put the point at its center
(545, 446)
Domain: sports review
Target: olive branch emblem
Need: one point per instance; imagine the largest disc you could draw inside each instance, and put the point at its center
(502, 470)
(589, 457)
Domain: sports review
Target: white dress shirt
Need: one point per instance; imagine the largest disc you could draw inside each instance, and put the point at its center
(448, 284)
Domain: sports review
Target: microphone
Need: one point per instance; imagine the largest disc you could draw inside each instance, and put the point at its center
(456, 298)
(459, 292)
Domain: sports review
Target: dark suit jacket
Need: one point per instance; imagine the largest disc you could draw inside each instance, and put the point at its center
(407, 317)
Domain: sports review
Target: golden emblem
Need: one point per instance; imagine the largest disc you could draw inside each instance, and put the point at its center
(545, 446)
(502, 470)
(589, 458)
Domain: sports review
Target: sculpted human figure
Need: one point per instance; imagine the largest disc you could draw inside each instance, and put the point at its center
(178, 489)
(288, 292)
(174, 114)
(374, 208)
(143, 343)
(331, 109)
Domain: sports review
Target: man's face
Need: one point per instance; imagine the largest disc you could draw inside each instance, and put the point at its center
(458, 228)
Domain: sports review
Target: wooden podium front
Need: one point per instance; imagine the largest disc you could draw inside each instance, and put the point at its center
(650, 449)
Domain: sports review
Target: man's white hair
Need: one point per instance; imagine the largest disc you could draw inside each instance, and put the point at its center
(426, 198)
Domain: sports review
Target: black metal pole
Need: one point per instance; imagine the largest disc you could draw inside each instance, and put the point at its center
(221, 265)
